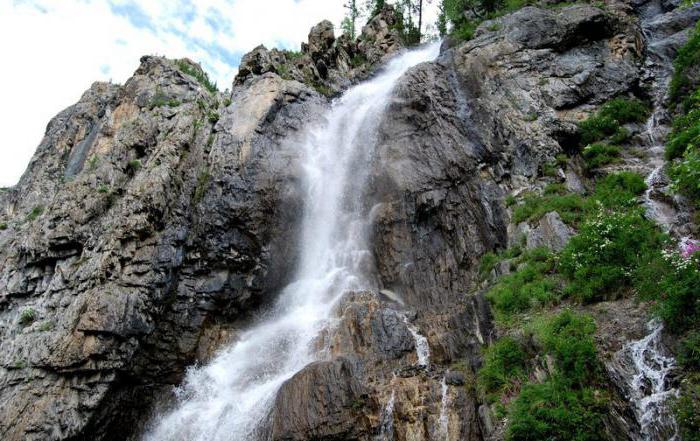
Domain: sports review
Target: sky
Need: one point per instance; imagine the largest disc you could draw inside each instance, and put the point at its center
(52, 50)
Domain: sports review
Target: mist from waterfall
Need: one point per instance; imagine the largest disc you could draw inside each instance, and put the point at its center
(230, 398)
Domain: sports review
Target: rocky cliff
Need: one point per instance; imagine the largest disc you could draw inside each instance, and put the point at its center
(158, 217)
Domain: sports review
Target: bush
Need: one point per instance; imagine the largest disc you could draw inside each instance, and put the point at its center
(531, 286)
(688, 57)
(619, 189)
(35, 213)
(568, 337)
(196, 72)
(598, 155)
(134, 165)
(569, 206)
(27, 317)
(689, 351)
(599, 259)
(609, 118)
(673, 283)
(3, 226)
(687, 410)
(686, 129)
(551, 411)
(505, 364)
(686, 174)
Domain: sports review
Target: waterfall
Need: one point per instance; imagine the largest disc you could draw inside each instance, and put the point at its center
(386, 423)
(649, 384)
(422, 347)
(230, 399)
(444, 418)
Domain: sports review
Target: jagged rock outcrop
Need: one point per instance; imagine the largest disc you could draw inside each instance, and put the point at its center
(156, 218)
(327, 63)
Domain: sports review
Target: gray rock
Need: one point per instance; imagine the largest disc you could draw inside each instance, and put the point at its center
(551, 232)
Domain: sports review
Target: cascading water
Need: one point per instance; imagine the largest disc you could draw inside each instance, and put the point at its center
(231, 397)
(649, 384)
(444, 417)
(386, 423)
(422, 346)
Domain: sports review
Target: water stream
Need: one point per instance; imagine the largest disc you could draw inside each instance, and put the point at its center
(230, 398)
(649, 384)
(444, 417)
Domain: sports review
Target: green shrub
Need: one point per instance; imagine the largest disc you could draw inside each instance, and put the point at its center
(510, 200)
(551, 411)
(569, 206)
(689, 351)
(203, 180)
(555, 188)
(598, 155)
(35, 213)
(27, 316)
(619, 189)
(686, 129)
(505, 363)
(608, 120)
(568, 337)
(598, 261)
(3, 226)
(687, 410)
(213, 116)
(687, 58)
(196, 72)
(685, 174)
(227, 102)
(531, 286)
(621, 135)
(596, 128)
(673, 283)
(562, 160)
(624, 110)
(134, 165)
(102, 188)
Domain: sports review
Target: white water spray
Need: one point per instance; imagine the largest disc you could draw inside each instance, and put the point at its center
(422, 346)
(230, 399)
(444, 417)
(386, 423)
(649, 386)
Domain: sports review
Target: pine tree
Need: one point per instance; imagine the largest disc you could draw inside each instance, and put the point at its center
(348, 23)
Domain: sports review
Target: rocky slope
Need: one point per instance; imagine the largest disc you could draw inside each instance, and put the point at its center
(156, 218)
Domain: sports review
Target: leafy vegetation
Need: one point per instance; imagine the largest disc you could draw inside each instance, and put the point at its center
(563, 407)
(203, 180)
(687, 59)
(27, 316)
(598, 261)
(569, 206)
(453, 12)
(598, 155)
(608, 120)
(505, 367)
(3, 226)
(533, 285)
(202, 77)
(134, 165)
(35, 213)
(160, 99)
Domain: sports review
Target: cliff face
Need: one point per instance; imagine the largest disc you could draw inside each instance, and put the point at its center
(157, 217)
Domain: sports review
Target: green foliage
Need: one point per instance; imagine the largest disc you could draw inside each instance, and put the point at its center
(27, 316)
(510, 200)
(35, 213)
(213, 116)
(562, 160)
(505, 366)
(555, 188)
(203, 180)
(199, 74)
(93, 162)
(3, 226)
(533, 285)
(358, 60)
(619, 189)
(134, 165)
(551, 411)
(160, 100)
(689, 351)
(686, 130)
(227, 101)
(598, 155)
(687, 409)
(569, 206)
(564, 407)
(568, 337)
(673, 283)
(598, 261)
(610, 117)
(687, 59)
(102, 188)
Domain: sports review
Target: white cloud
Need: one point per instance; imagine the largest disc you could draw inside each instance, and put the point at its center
(54, 50)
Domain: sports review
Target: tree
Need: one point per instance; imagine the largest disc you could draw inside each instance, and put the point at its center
(348, 23)
(374, 7)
